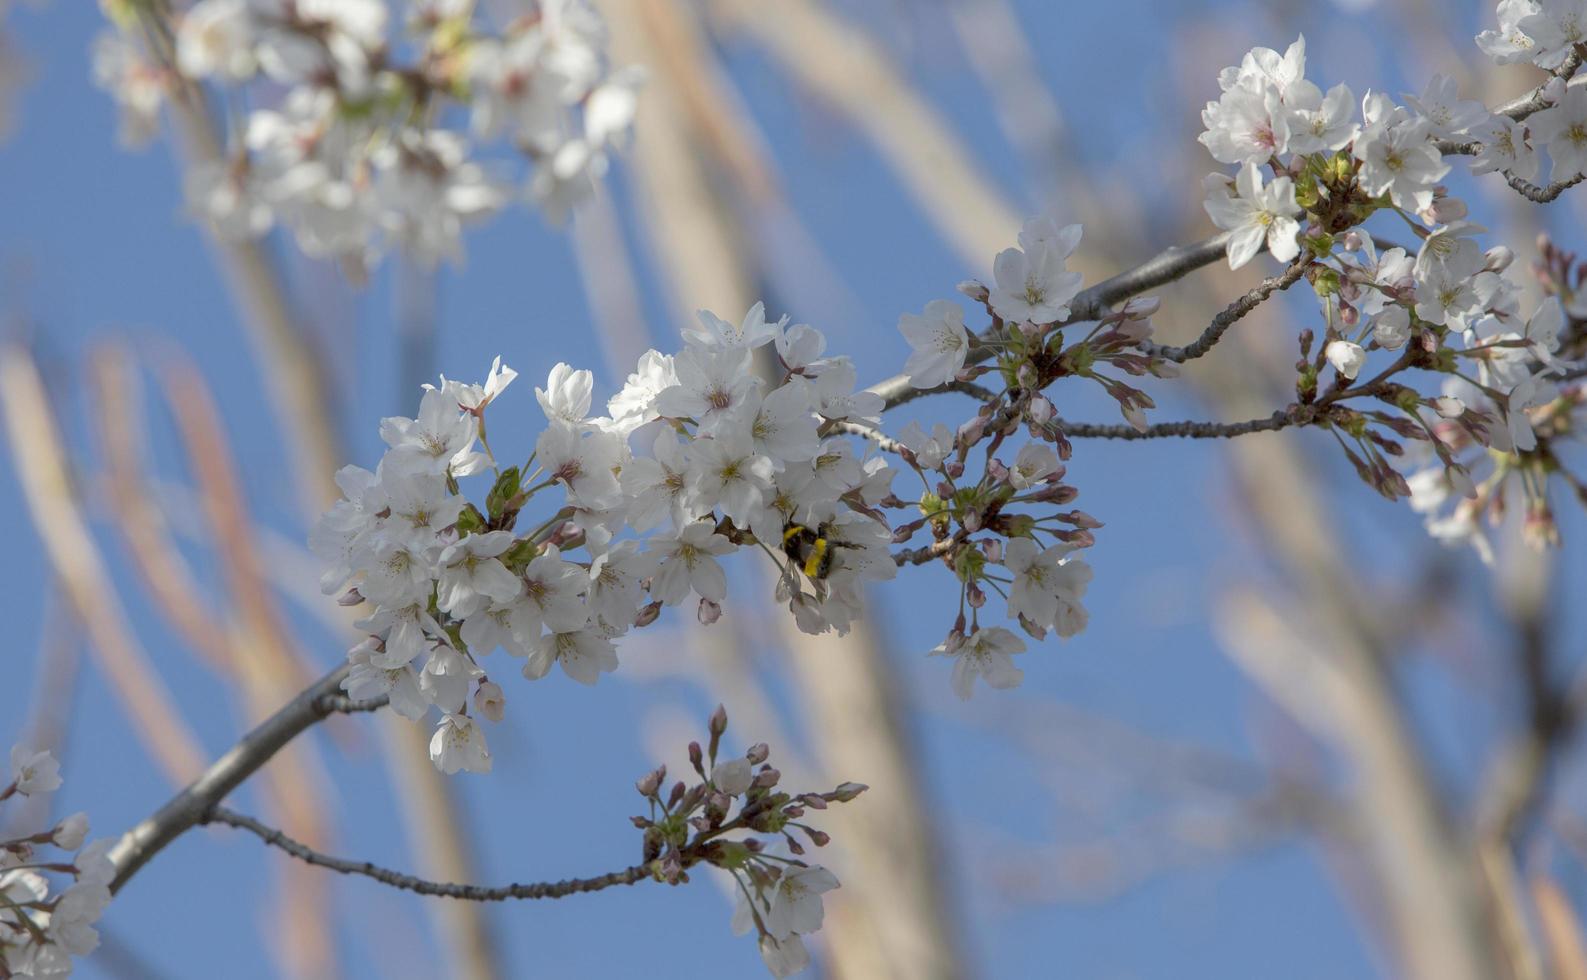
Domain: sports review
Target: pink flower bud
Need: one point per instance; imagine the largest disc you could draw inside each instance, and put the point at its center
(758, 753)
(1354, 241)
(1040, 410)
(648, 614)
(650, 783)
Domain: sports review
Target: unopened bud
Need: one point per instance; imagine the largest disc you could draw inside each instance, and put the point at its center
(351, 597)
(847, 792)
(1450, 407)
(992, 549)
(676, 794)
(1040, 410)
(490, 701)
(819, 838)
(70, 833)
(647, 614)
(1499, 258)
(1080, 518)
(650, 783)
(718, 723)
(974, 290)
(975, 596)
(767, 778)
(971, 432)
(758, 753)
(1026, 375)
(1354, 241)
(710, 611)
(972, 520)
(697, 757)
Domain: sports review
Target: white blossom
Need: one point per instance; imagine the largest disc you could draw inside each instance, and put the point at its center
(1562, 128)
(1034, 285)
(566, 396)
(689, 563)
(716, 335)
(940, 343)
(1346, 357)
(986, 653)
(585, 654)
(1254, 215)
(459, 744)
(34, 772)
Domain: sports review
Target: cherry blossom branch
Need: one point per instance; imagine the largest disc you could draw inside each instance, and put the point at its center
(1542, 195)
(406, 882)
(1230, 315)
(978, 392)
(1187, 429)
(188, 808)
(1174, 262)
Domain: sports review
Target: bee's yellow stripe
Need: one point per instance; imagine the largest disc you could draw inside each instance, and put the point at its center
(817, 552)
(793, 529)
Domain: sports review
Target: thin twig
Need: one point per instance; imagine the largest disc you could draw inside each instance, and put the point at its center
(407, 882)
(1230, 315)
(188, 807)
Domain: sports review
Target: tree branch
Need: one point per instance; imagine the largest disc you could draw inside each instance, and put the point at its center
(1183, 430)
(188, 808)
(1170, 264)
(1230, 315)
(396, 879)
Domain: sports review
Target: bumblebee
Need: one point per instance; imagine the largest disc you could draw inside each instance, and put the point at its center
(812, 551)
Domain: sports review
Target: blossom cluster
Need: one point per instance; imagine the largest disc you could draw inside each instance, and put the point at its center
(1446, 306)
(43, 926)
(699, 457)
(338, 119)
(778, 894)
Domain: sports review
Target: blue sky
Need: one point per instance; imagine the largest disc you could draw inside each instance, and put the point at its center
(93, 245)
